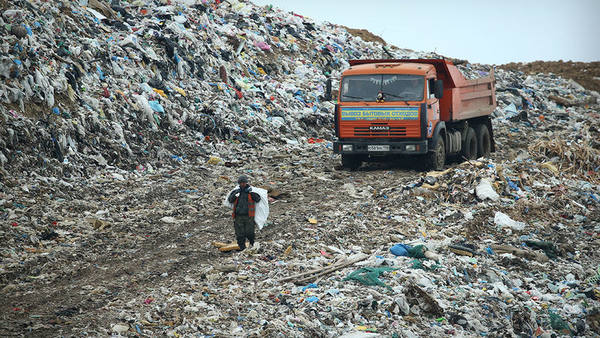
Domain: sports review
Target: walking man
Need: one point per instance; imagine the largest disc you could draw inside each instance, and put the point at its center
(244, 208)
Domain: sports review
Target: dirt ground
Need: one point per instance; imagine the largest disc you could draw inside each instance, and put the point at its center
(96, 270)
(365, 35)
(86, 278)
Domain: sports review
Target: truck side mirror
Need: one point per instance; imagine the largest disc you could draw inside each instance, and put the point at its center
(328, 90)
(438, 89)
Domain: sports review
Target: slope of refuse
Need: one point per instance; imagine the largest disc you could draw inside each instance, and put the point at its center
(123, 124)
(586, 74)
(141, 84)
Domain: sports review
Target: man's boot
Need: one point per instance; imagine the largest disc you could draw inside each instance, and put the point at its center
(241, 241)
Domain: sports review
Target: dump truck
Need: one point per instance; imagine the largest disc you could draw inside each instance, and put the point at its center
(424, 108)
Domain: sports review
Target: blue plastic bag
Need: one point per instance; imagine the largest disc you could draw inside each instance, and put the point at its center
(400, 249)
(156, 106)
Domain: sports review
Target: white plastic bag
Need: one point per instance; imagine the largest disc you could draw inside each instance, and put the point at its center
(485, 190)
(503, 220)
(262, 207)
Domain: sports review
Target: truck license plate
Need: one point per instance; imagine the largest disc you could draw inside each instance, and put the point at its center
(378, 147)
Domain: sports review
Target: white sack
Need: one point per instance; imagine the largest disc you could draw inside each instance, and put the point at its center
(262, 207)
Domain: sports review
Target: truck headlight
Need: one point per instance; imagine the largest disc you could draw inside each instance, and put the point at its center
(411, 147)
(347, 147)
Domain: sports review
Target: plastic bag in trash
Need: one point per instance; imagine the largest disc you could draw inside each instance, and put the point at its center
(485, 190)
(262, 207)
(156, 106)
(503, 220)
(369, 275)
(417, 251)
(400, 249)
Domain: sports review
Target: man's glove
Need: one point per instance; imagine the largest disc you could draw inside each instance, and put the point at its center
(233, 195)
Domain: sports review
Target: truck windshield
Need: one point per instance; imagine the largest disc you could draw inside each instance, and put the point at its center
(393, 87)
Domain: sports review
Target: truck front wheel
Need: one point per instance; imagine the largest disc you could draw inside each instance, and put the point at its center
(351, 161)
(437, 157)
(469, 148)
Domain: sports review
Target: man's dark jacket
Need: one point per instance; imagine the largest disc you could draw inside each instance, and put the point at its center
(242, 200)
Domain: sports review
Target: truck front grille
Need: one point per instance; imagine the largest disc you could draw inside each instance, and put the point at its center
(368, 131)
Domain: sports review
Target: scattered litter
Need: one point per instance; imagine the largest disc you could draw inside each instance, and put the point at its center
(123, 124)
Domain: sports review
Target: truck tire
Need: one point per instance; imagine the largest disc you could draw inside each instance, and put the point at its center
(469, 148)
(351, 161)
(437, 157)
(484, 141)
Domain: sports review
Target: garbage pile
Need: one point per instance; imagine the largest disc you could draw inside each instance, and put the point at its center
(136, 83)
(125, 123)
(584, 73)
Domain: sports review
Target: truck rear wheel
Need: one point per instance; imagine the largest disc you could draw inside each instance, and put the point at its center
(437, 157)
(484, 142)
(351, 161)
(469, 148)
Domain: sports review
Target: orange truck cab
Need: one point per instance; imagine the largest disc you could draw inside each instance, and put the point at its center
(422, 107)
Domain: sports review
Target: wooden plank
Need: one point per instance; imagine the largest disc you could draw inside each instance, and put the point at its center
(308, 276)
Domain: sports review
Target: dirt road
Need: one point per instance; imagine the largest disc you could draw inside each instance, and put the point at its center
(136, 250)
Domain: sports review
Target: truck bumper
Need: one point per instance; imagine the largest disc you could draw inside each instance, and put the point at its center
(373, 147)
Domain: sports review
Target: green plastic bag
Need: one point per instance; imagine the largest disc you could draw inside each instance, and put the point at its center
(369, 275)
(418, 264)
(558, 324)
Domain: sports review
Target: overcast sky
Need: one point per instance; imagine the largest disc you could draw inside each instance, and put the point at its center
(492, 32)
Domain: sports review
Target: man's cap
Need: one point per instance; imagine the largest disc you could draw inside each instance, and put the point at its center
(243, 179)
